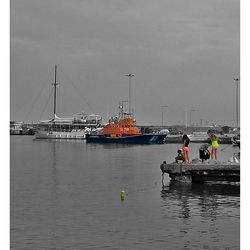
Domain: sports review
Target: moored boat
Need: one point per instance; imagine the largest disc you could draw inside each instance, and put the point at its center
(123, 130)
(236, 140)
(19, 128)
(126, 139)
(199, 137)
(202, 137)
(173, 138)
(16, 128)
(75, 127)
(68, 128)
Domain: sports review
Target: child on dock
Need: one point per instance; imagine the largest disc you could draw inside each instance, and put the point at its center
(179, 157)
(185, 149)
(215, 146)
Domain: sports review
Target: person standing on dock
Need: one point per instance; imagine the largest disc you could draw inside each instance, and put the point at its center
(215, 146)
(185, 148)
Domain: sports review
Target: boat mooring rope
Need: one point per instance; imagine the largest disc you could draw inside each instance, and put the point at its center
(143, 189)
(46, 104)
(33, 105)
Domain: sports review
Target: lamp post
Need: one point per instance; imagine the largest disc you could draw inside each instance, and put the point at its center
(191, 110)
(162, 107)
(129, 92)
(237, 81)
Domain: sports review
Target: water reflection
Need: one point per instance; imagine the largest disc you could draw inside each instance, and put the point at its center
(54, 174)
(65, 195)
(54, 196)
(201, 189)
(206, 200)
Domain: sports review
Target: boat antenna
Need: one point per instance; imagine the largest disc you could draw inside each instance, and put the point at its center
(55, 84)
(121, 109)
(129, 92)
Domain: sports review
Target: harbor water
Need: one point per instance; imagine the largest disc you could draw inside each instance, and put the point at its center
(66, 195)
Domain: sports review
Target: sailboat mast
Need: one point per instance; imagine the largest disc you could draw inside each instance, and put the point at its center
(55, 83)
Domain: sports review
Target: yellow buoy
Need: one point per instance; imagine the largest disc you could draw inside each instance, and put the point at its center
(122, 194)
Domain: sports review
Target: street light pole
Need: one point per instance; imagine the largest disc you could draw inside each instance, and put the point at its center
(237, 80)
(162, 107)
(129, 92)
(191, 110)
(186, 117)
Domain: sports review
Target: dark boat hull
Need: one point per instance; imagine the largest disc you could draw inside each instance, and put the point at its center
(132, 139)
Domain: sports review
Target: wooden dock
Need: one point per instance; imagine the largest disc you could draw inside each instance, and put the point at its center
(202, 172)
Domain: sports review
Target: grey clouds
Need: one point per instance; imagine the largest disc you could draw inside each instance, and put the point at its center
(183, 53)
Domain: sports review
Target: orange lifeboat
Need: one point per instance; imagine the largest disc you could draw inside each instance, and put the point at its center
(124, 131)
(117, 128)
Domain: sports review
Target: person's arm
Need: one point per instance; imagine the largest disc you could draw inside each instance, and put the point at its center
(218, 139)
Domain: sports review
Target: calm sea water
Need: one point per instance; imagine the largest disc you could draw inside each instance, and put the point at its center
(66, 195)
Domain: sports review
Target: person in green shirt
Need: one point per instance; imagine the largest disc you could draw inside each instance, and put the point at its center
(215, 145)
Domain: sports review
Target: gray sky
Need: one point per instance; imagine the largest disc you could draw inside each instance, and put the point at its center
(183, 53)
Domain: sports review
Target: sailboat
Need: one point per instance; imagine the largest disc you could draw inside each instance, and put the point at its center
(75, 127)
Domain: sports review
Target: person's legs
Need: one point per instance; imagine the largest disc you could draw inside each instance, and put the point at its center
(215, 153)
(185, 151)
(184, 154)
(207, 155)
(187, 157)
(178, 158)
(202, 155)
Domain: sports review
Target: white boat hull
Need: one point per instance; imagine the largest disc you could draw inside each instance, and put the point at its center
(73, 135)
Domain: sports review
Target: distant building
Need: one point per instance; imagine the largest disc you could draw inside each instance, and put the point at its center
(19, 128)
(16, 127)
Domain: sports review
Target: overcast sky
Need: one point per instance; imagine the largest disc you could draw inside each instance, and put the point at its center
(182, 53)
